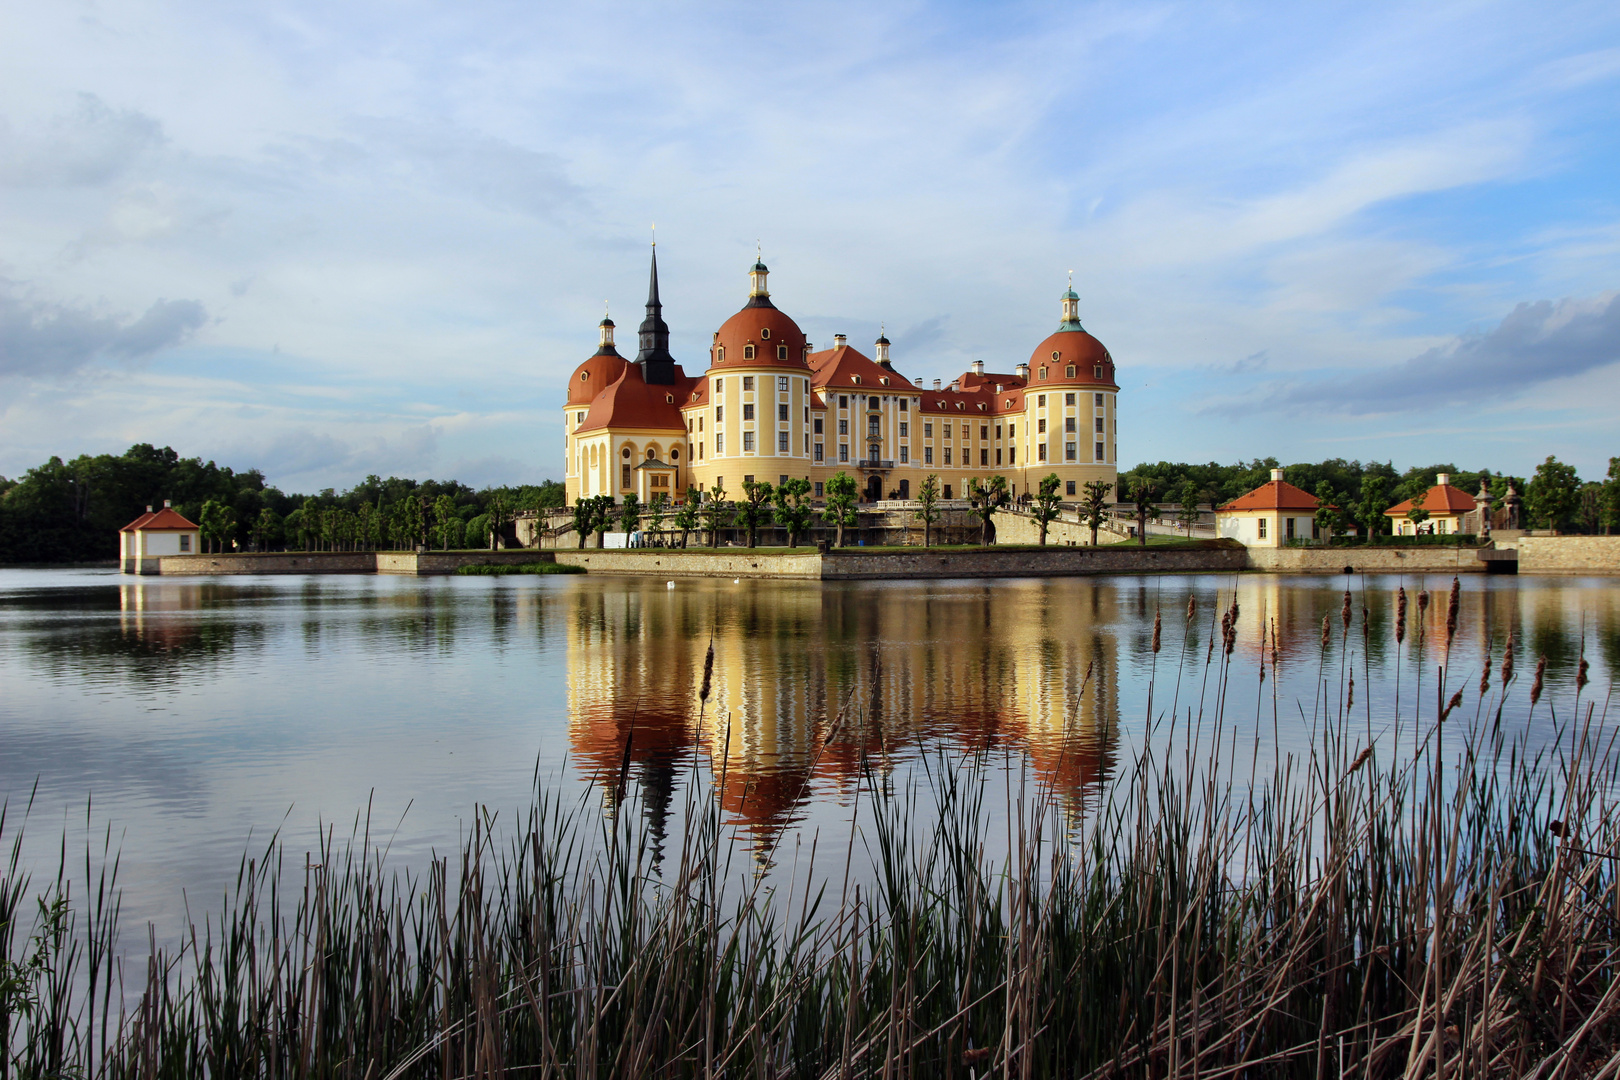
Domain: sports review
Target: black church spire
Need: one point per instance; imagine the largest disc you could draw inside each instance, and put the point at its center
(657, 366)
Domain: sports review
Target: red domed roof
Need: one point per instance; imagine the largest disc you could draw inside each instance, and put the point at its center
(593, 376)
(768, 330)
(1075, 347)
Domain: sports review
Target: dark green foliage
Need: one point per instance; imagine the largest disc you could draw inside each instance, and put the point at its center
(1554, 496)
(793, 511)
(1045, 508)
(503, 569)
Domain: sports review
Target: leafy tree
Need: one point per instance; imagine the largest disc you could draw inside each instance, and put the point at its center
(584, 517)
(1189, 505)
(657, 510)
(1142, 495)
(1374, 501)
(755, 509)
(793, 510)
(1326, 516)
(1591, 512)
(984, 499)
(309, 524)
(1611, 497)
(630, 515)
(550, 495)
(687, 517)
(928, 506)
(215, 523)
(444, 512)
(1095, 504)
(1554, 493)
(1046, 508)
(841, 495)
(266, 529)
(714, 512)
(499, 508)
(476, 532)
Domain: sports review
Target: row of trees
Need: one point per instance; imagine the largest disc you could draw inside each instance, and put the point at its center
(788, 506)
(1351, 493)
(71, 511)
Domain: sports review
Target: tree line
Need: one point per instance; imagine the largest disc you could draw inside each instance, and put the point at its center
(71, 511)
(1353, 493)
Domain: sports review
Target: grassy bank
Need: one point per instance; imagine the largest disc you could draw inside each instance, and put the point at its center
(1450, 912)
(502, 569)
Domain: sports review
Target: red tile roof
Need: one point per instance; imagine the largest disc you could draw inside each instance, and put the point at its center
(1274, 495)
(631, 403)
(1072, 347)
(767, 329)
(165, 520)
(1440, 499)
(593, 376)
(840, 367)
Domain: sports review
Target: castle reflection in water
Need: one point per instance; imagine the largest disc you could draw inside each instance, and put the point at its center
(809, 683)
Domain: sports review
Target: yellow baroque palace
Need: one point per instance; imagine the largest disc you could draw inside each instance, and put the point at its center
(767, 407)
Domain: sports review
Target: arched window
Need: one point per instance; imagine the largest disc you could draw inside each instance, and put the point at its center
(1043, 373)
(719, 354)
(674, 455)
(781, 352)
(748, 352)
(1069, 372)
(652, 453)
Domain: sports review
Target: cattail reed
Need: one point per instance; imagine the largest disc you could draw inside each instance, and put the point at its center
(1485, 677)
(1156, 633)
(1327, 633)
(1535, 687)
(1192, 607)
(1350, 697)
(1344, 612)
(1507, 660)
(1452, 607)
(1456, 700)
(1423, 603)
(708, 673)
(1400, 615)
(1580, 674)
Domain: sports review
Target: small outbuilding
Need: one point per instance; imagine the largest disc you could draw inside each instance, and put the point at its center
(1451, 510)
(1270, 515)
(151, 536)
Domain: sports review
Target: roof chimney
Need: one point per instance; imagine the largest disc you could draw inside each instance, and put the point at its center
(1276, 474)
(978, 367)
(998, 388)
(148, 508)
(165, 504)
(840, 340)
(936, 384)
(1022, 371)
(956, 386)
(1443, 479)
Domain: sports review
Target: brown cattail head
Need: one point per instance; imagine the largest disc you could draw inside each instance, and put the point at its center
(1535, 687)
(1325, 632)
(1192, 607)
(1350, 701)
(1507, 660)
(1485, 678)
(708, 673)
(1451, 611)
(1156, 624)
(1400, 615)
(1423, 601)
(1580, 674)
(1344, 612)
(1456, 700)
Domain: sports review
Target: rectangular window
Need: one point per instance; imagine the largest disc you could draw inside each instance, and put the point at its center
(819, 455)
(984, 431)
(843, 427)
(1068, 422)
(781, 383)
(1290, 531)
(1099, 400)
(872, 425)
(720, 442)
(700, 425)
(1262, 523)
(904, 403)
(904, 428)
(1316, 530)
(998, 455)
(947, 455)
(1040, 451)
(872, 403)
(185, 542)
(843, 451)
(781, 479)
(700, 451)
(947, 431)
(719, 413)
(819, 491)
(749, 479)
(624, 476)
(1069, 451)
(781, 442)
(748, 382)
(928, 430)
(1068, 399)
(818, 425)
(748, 410)
(1040, 426)
(579, 418)
(748, 442)
(928, 455)
(1099, 451)
(807, 443)
(843, 401)
(1012, 455)
(905, 454)
(781, 413)
(1097, 371)
(1069, 487)
(1041, 401)
(717, 385)
(1099, 425)
(984, 457)
(1012, 431)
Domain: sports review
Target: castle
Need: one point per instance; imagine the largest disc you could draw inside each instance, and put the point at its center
(767, 407)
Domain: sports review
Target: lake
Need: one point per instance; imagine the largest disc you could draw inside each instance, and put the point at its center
(184, 721)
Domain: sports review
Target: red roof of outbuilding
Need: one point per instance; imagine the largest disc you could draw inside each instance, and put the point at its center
(1440, 499)
(165, 520)
(1274, 495)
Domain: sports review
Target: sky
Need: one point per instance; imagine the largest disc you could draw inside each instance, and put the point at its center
(326, 240)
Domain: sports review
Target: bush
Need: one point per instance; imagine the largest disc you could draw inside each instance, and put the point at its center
(501, 569)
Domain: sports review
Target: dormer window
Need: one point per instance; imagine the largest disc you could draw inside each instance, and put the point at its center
(1068, 372)
(669, 399)
(584, 376)
(1055, 354)
(856, 380)
(765, 333)
(719, 354)
(1043, 373)
(781, 352)
(748, 352)
(1099, 371)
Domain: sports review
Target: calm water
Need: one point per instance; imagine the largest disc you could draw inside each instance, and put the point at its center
(195, 718)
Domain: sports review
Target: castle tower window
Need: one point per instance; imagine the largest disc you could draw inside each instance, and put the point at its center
(584, 376)
(1056, 355)
(652, 454)
(1098, 398)
(781, 352)
(748, 352)
(674, 455)
(1043, 374)
(782, 382)
(717, 383)
(719, 358)
(1099, 451)
(765, 332)
(1069, 371)
(748, 380)
(624, 476)
(1098, 371)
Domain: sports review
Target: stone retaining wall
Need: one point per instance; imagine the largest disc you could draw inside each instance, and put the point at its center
(1390, 560)
(1566, 554)
(674, 563)
(272, 562)
(846, 564)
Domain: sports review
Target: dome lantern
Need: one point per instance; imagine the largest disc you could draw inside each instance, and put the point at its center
(1071, 307)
